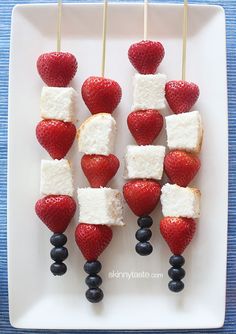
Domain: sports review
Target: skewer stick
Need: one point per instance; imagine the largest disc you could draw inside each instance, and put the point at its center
(104, 36)
(145, 19)
(59, 14)
(185, 32)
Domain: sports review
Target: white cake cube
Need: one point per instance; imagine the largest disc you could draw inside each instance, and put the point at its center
(180, 202)
(56, 178)
(58, 103)
(97, 134)
(100, 206)
(184, 131)
(145, 162)
(149, 91)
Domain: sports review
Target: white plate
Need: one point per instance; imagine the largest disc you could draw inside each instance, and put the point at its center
(38, 300)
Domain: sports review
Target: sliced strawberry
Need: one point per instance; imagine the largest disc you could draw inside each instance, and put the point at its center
(146, 56)
(181, 167)
(99, 169)
(92, 239)
(56, 212)
(142, 196)
(57, 69)
(177, 232)
(56, 137)
(145, 125)
(181, 95)
(101, 95)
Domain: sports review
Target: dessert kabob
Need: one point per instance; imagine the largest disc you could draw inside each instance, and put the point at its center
(144, 162)
(100, 206)
(180, 203)
(56, 133)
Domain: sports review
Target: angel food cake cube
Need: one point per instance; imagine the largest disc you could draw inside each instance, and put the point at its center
(56, 178)
(144, 162)
(180, 202)
(149, 91)
(58, 103)
(184, 131)
(97, 134)
(100, 206)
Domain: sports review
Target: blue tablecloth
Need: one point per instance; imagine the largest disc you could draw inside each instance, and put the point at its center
(5, 22)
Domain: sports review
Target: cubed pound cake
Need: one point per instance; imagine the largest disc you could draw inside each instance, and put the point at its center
(97, 134)
(58, 103)
(185, 131)
(149, 91)
(56, 178)
(145, 162)
(100, 206)
(180, 202)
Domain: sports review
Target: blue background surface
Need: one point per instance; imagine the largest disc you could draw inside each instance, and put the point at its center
(5, 22)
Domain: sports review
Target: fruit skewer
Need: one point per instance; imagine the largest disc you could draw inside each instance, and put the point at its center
(180, 203)
(144, 163)
(146, 55)
(100, 206)
(180, 207)
(58, 68)
(56, 133)
(181, 95)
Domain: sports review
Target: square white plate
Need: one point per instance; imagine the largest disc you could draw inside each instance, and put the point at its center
(39, 300)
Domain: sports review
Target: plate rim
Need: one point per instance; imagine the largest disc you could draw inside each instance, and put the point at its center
(90, 4)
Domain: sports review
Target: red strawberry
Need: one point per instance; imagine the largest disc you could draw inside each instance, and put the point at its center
(101, 95)
(142, 196)
(57, 69)
(99, 169)
(181, 167)
(56, 137)
(177, 232)
(181, 95)
(92, 239)
(56, 211)
(145, 125)
(146, 56)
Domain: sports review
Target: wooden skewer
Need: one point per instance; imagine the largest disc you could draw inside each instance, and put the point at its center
(104, 36)
(145, 19)
(59, 14)
(185, 32)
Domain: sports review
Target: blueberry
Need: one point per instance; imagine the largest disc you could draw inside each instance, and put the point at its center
(93, 281)
(94, 295)
(58, 269)
(143, 234)
(145, 221)
(176, 286)
(177, 261)
(58, 239)
(92, 267)
(176, 273)
(143, 248)
(59, 254)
